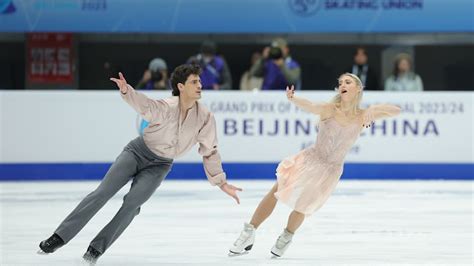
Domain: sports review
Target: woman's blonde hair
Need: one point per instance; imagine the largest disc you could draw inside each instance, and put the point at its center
(356, 102)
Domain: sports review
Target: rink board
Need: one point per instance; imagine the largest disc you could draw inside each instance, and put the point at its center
(77, 135)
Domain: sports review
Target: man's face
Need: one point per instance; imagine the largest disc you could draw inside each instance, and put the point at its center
(191, 89)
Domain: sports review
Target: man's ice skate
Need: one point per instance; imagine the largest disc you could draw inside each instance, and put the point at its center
(50, 245)
(92, 255)
(245, 241)
(282, 244)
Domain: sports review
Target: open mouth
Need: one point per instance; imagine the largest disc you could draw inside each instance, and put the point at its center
(343, 91)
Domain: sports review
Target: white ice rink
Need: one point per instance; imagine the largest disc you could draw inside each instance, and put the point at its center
(192, 223)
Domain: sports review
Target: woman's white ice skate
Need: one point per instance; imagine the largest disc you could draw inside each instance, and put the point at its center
(282, 244)
(245, 241)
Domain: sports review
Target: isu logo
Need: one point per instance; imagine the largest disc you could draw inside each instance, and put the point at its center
(304, 7)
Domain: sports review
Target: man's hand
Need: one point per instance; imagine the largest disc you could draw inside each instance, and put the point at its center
(231, 191)
(121, 83)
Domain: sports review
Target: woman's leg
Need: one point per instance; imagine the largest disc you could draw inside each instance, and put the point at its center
(294, 221)
(265, 208)
(283, 242)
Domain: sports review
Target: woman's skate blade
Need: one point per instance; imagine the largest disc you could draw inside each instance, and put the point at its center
(233, 254)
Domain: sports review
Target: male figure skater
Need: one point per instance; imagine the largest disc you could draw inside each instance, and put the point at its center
(175, 125)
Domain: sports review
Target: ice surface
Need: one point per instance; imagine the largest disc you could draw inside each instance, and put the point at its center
(193, 223)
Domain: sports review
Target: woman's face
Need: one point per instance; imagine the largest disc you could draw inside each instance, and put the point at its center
(403, 66)
(348, 88)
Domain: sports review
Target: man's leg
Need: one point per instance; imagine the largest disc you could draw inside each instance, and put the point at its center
(122, 169)
(144, 185)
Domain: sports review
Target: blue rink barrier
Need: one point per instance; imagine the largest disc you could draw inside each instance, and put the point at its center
(190, 171)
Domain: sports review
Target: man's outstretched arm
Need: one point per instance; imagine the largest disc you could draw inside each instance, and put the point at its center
(148, 108)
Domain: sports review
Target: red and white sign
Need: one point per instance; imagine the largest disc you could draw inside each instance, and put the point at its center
(50, 58)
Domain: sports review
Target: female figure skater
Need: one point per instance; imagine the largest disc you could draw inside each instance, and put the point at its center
(305, 180)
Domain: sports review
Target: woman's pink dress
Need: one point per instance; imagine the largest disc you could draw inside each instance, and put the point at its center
(307, 179)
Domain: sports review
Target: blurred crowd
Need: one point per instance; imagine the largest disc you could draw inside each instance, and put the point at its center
(273, 68)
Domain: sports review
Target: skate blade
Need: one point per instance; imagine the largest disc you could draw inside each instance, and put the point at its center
(274, 256)
(88, 263)
(232, 254)
(40, 252)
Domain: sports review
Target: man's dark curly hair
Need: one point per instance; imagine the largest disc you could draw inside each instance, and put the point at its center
(181, 74)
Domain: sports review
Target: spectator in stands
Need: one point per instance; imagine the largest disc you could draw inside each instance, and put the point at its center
(155, 77)
(403, 78)
(277, 67)
(361, 69)
(216, 74)
(249, 82)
